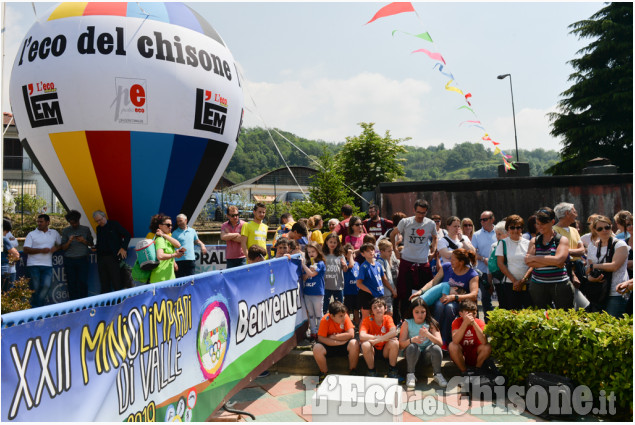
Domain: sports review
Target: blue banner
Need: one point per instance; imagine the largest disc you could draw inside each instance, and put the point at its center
(160, 352)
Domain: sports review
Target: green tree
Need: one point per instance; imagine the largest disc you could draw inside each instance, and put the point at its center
(327, 191)
(596, 112)
(368, 159)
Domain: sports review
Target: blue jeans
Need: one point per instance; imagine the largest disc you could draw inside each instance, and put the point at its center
(616, 306)
(41, 277)
(337, 296)
(236, 262)
(445, 315)
(76, 276)
(432, 295)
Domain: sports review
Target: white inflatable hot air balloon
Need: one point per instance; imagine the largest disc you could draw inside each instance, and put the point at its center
(129, 108)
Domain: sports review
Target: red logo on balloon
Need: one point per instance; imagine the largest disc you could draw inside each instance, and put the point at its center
(421, 232)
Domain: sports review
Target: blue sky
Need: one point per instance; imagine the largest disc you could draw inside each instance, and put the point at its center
(316, 70)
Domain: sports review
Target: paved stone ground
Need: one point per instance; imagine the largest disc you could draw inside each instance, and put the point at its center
(284, 397)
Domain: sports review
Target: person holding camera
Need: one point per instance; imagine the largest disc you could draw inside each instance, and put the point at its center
(606, 268)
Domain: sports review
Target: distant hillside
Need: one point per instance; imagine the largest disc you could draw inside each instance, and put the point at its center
(256, 155)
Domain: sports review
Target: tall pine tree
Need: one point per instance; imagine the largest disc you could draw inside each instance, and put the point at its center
(596, 112)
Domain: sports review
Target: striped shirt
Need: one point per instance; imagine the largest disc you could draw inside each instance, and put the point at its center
(548, 274)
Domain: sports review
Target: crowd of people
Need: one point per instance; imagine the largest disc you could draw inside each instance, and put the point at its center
(174, 252)
(411, 283)
(414, 283)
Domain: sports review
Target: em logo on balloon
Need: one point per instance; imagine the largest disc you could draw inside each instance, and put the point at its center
(128, 108)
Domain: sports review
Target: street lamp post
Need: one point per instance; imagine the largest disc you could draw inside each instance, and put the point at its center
(501, 77)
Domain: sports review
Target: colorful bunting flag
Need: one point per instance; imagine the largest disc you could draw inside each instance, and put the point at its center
(423, 35)
(449, 88)
(392, 9)
(495, 143)
(432, 55)
(469, 109)
(468, 96)
(447, 74)
(497, 150)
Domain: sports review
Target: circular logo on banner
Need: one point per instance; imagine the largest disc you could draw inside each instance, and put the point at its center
(213, 338)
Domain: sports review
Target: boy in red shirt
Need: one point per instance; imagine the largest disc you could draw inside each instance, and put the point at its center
(336, 337)
(469, 344)
(378, 332)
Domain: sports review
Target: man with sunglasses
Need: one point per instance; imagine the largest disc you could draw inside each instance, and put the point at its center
(420, 245)
(482, 242)
(230, 233)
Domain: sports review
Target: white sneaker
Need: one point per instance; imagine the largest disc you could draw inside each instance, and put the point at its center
(410, 381)
(440, 380)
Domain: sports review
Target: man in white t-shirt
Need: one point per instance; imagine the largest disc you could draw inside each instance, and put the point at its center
(40, 245)
(420, 245)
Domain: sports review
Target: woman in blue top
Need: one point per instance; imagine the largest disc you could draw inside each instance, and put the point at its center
(420, 334)
(462, 284)
(313, 286)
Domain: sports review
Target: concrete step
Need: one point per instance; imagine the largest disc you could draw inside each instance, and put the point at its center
(300, 361)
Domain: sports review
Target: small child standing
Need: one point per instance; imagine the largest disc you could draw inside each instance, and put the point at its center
(350, 283)
(313, 286)
(335, 267)
(371, 279)
(385, 255)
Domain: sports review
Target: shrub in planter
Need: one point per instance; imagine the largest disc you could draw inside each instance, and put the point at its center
(18, 297)
(592, 349)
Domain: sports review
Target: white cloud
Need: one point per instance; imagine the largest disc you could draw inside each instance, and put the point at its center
(329, 109)
(533, 130)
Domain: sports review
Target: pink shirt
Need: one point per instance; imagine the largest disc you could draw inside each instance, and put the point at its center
(234, 249)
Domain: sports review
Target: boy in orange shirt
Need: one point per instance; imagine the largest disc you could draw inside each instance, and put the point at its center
(378, 332)
(336, 337)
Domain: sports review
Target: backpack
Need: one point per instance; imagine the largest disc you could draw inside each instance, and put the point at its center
(492, 263)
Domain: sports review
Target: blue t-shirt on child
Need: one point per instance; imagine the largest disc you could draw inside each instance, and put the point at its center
(371, 277)
(315, 285)
(350, 280)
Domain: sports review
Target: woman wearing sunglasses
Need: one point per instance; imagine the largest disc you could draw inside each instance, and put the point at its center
(510, 257)
(606, 267)
(167, 248)
(467, 227)
(356, 232)
(547, 254)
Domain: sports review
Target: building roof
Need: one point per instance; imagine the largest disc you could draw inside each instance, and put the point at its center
(282, 176)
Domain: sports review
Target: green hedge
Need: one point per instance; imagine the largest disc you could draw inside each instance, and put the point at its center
(592, 349)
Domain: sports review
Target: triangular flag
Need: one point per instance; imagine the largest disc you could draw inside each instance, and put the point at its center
(495, 143)
(468, 108)
(392, 9)
(497, 150)
(432, 55)
(425, 36)
(511, 166)
(468, 96)
(448, 87)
